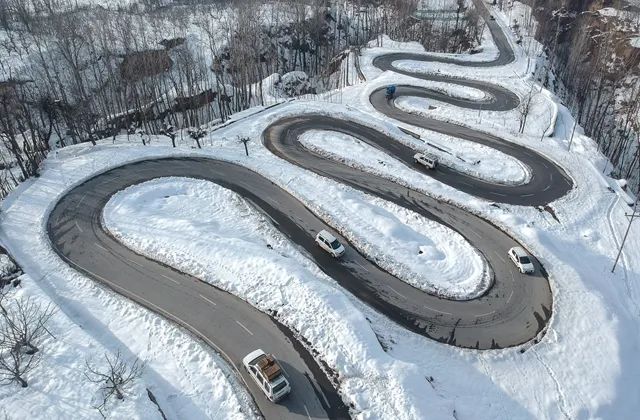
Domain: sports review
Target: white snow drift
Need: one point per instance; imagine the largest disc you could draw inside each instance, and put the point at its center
(419, 251)
(408, 244)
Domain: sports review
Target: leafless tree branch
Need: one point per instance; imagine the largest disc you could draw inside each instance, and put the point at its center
(23, 325)
(116, 379)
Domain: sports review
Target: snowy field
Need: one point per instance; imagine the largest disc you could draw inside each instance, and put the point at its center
(188, 379)
(586, 366)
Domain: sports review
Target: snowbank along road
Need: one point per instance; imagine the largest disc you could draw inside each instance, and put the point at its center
(226, 323)
(513, 311)
(548, 181)
(517, 307)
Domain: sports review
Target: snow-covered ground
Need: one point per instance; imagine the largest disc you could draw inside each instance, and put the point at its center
(188, 379)
(334, 326)
(467, 157)
(507, 121)
(474, 159)
(586, 366)
(421, 252)
(190, 200)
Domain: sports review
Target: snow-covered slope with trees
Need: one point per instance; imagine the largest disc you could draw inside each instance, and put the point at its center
(585, 366)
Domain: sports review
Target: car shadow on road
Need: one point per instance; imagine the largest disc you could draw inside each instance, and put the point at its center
(307, 398)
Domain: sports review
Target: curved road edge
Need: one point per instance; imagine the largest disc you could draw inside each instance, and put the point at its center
(549, 181)
(77, 235)
(513, 311)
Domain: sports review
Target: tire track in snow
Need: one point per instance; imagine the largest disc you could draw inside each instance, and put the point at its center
(561, 398)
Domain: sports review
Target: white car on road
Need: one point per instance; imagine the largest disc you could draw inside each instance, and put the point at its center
(429, 161)
(329, 243)
(266, 371)
(521, 260)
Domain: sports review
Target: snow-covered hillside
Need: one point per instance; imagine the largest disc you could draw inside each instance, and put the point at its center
(584, 366)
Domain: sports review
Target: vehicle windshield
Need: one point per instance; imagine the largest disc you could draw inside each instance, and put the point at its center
(277, 388)
(253, 361)
(335, 244)
(524, 260)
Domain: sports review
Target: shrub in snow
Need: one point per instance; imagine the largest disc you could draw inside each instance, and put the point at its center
(115, 379)
(23, 326)
(294, 83)
(197, 134)
(7, 268)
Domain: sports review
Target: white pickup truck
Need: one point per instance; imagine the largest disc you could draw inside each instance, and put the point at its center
(265, 370)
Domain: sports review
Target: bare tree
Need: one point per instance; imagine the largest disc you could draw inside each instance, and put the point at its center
(23, 325)
(169, 131)
(245, 140)
(116, 379)
(3, 294)
(197, 134)
(523, 109)
(85, 73)
(15, 365)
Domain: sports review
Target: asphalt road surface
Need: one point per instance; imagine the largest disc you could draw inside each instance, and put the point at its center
(229, 325)
(513, 311)
(548, 181)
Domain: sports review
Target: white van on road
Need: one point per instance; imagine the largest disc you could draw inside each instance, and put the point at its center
(521, 260)
(329, 243)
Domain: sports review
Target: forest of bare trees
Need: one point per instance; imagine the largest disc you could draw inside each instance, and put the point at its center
(77, 74)
(596, 71)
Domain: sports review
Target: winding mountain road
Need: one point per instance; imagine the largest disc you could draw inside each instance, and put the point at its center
(226, 323)
(548, 181)
(513, 311)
